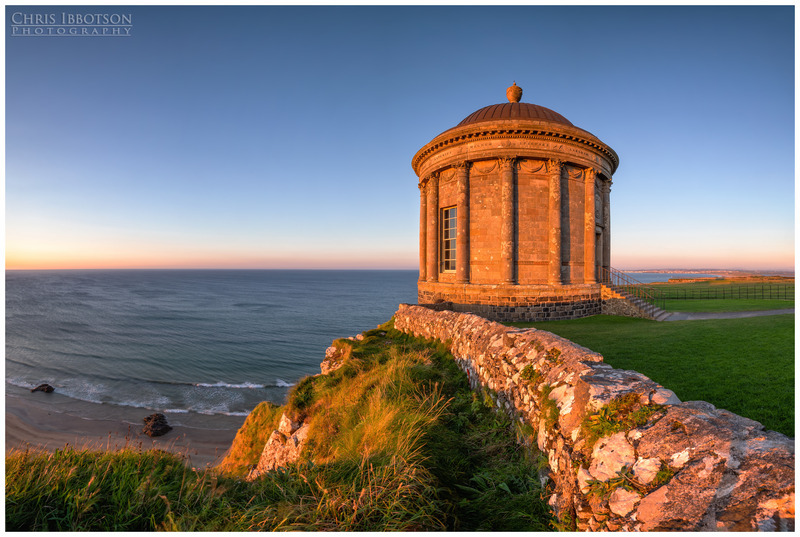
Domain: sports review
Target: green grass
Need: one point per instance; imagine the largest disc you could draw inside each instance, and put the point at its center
(728, 304)
(129, 490)
(745, 365)
(397, 442)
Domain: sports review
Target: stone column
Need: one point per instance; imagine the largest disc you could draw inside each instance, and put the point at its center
(462, 223)
(507, 243)
(607, 225)
(423, 231)
(432, 257)
(554, 168)
(599, 260)
(589, 260)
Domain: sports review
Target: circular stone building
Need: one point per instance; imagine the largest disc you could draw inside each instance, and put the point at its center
(514, 214)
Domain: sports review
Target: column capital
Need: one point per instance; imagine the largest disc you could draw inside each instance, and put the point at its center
(463, 165)
(425, 180)
(507, 162)
(554, 165)
(591, 173)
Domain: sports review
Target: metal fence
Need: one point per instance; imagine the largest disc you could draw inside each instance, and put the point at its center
(658, 294)
(755, 291)
(622, 282)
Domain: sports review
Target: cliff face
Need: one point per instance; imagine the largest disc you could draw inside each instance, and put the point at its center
(624, 452)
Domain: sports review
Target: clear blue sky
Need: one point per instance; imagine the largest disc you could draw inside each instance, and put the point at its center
(283, 137)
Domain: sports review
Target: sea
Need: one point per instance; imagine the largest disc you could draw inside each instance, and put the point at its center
(185, 342)
(654, 277)
(188, 343)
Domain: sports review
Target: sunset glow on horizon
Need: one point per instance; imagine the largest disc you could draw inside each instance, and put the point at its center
(259, 137)
(208, 262)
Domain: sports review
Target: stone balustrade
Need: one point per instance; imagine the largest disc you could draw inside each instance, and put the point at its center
(624, 453)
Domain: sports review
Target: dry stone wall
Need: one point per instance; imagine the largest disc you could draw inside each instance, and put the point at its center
(624, 453)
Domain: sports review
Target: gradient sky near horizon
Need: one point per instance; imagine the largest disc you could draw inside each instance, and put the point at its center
(282, 137)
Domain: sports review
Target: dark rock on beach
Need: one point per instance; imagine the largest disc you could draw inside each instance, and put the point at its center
(156, 425)
(46, 388)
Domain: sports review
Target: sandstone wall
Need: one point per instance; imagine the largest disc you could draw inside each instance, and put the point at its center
(624, 453)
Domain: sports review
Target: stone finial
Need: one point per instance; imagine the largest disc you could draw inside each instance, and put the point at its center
(514, 93)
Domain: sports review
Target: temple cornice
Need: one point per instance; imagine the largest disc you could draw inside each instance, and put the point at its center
(568, 137)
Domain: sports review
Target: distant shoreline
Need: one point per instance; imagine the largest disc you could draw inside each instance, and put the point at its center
(720, 272)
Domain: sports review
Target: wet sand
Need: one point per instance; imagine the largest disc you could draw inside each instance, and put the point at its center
(49, 422)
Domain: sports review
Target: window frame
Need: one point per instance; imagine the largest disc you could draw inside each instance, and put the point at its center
(447, 239)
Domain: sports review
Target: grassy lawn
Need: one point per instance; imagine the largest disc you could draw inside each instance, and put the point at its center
(728, 304)
(742, 365)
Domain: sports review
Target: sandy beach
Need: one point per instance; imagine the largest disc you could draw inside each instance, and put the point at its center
(50, 421)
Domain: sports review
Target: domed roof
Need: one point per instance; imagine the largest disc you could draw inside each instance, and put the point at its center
(514, 110)
(513, 128)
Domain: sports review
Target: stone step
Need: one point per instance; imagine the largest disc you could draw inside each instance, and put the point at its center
(650, 310)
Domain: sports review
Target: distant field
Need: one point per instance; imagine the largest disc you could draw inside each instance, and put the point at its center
(734, 294)
(742, 365)
(748, 288)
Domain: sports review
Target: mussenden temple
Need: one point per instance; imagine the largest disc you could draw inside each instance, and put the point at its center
(515, 215)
